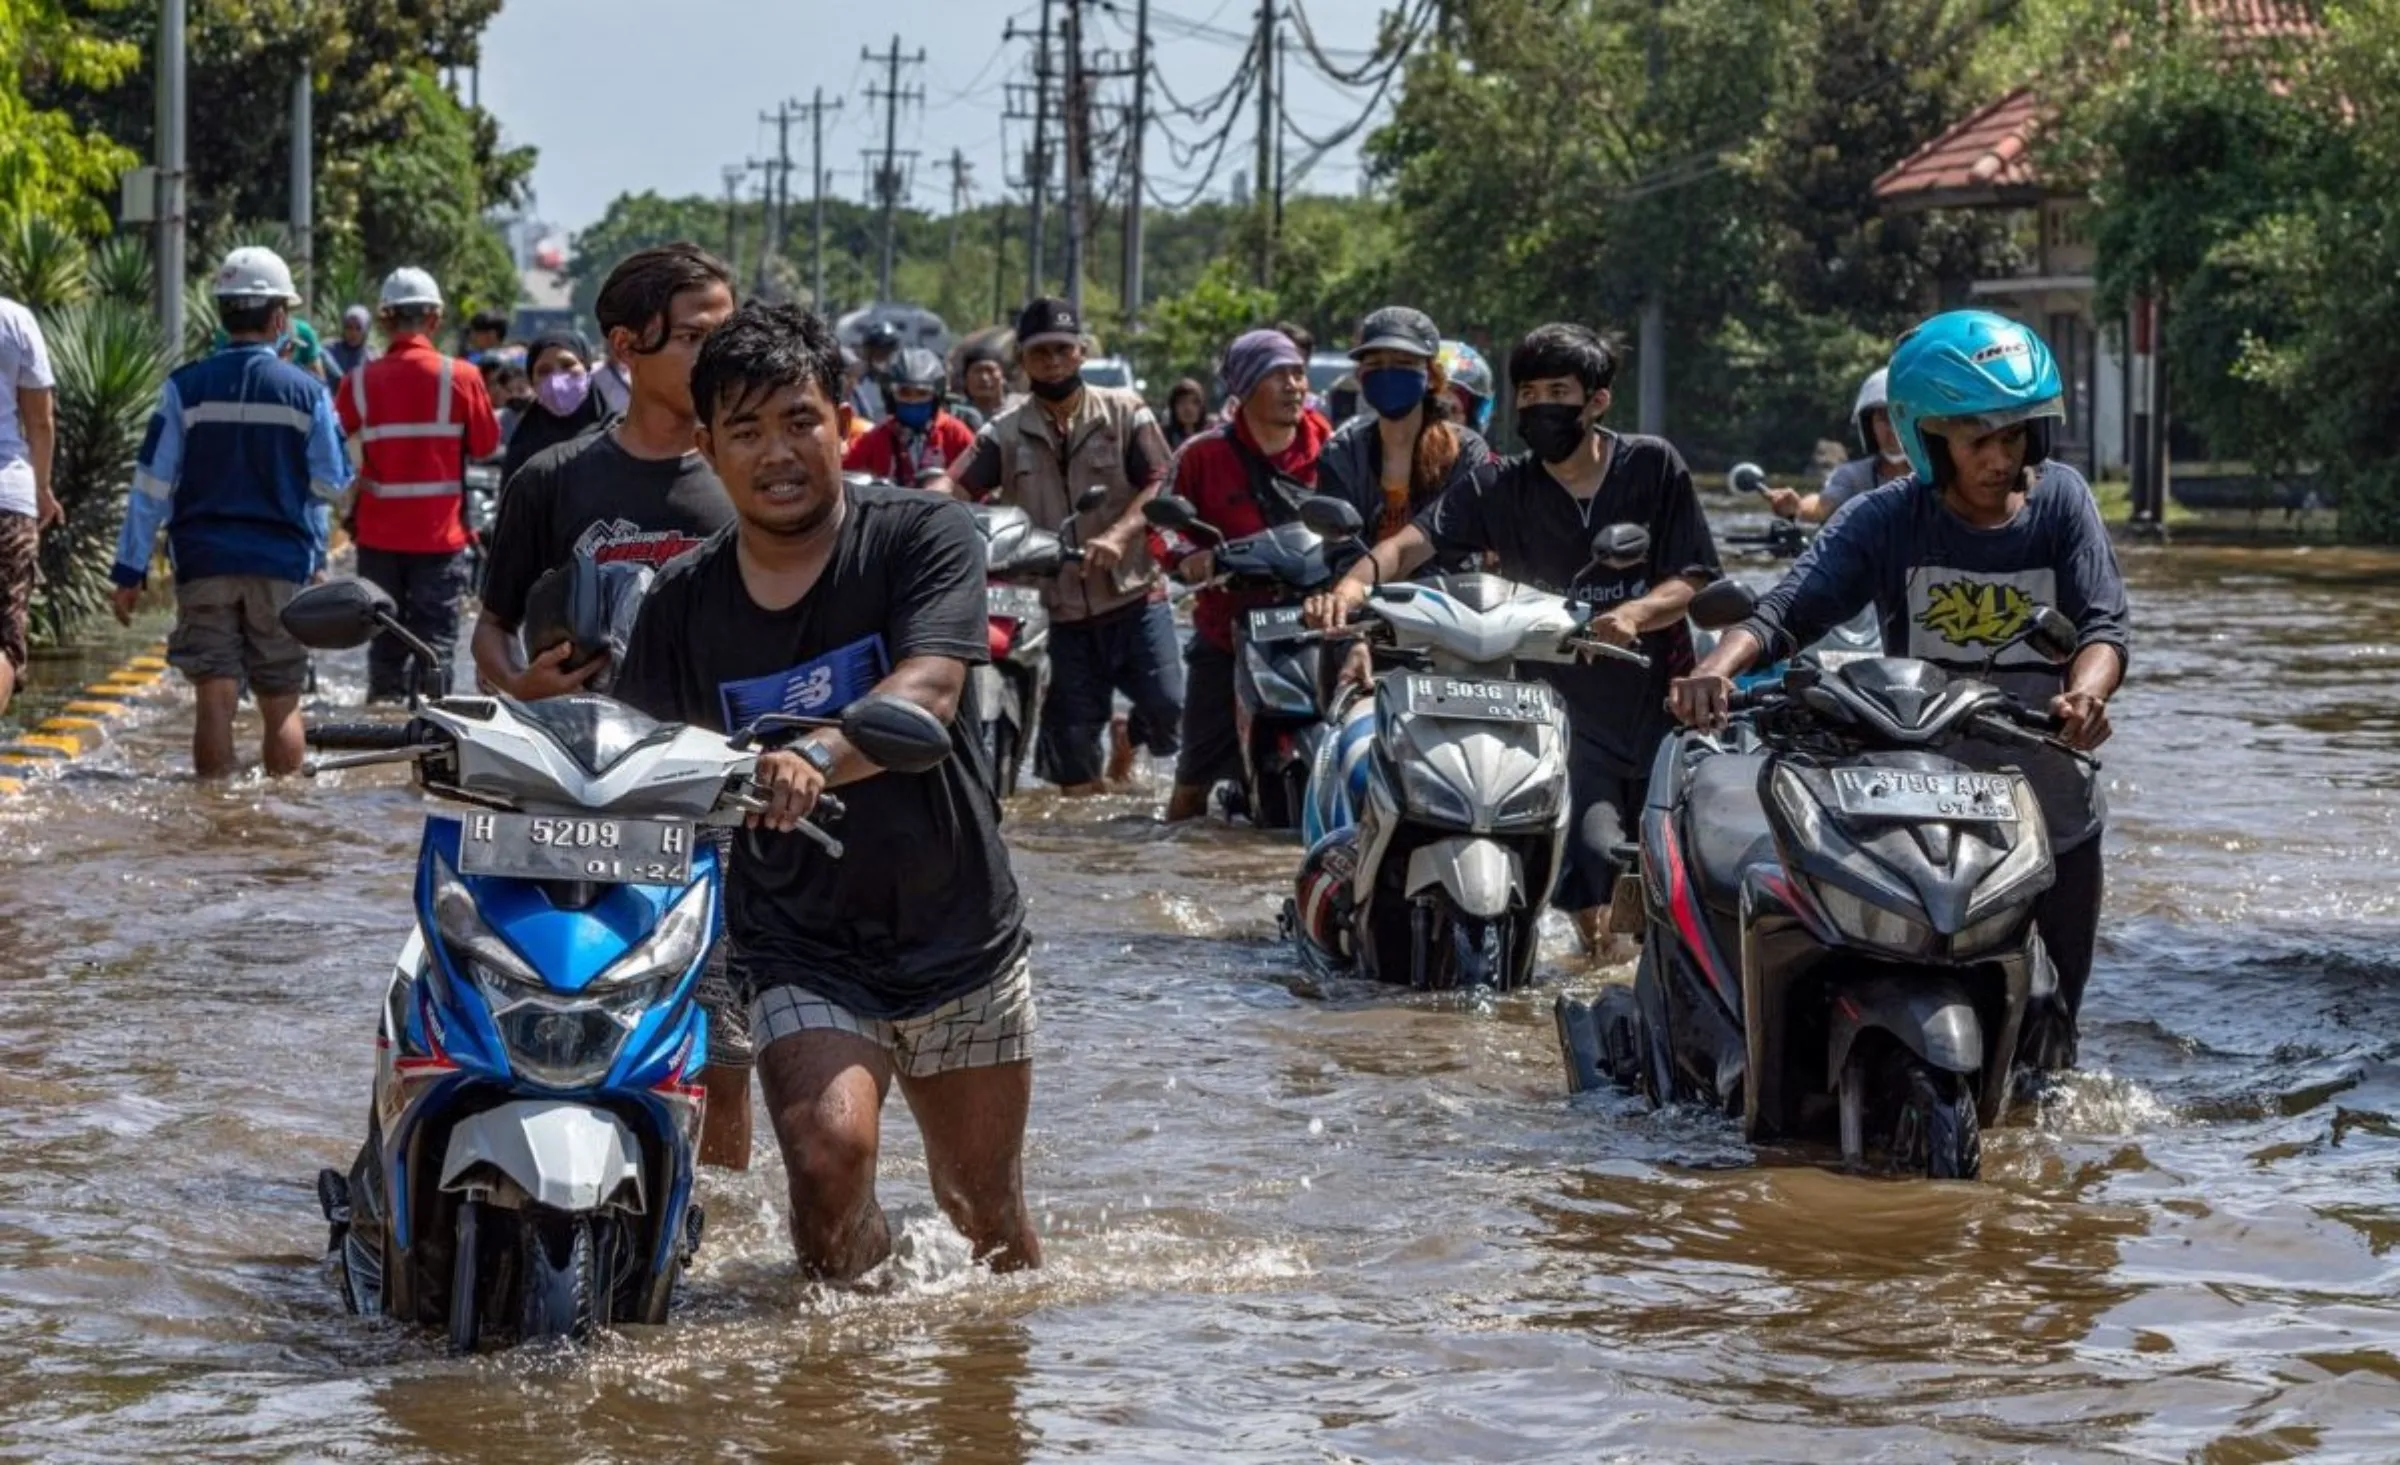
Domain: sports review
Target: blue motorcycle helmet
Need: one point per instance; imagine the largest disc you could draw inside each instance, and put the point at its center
(1972, 372)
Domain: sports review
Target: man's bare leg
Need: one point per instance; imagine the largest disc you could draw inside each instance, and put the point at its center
(1188, 801)
(825, 1094)
(212, 726)
(1120, 753)
(8, 682)
(284, 744)
(725, 1125)
(973, 1120)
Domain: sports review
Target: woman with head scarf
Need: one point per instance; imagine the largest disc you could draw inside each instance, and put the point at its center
(1187, 413)
(564, 405)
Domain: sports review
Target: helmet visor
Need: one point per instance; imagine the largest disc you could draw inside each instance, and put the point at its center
(1981, 424)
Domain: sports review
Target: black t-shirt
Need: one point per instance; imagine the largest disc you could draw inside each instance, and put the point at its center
(1543, 536)
(590, 494)
(922, 907)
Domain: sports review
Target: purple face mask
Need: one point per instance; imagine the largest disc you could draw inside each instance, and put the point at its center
(563, 391)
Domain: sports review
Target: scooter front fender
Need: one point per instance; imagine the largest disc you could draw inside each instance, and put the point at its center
(1482, 876)
(570, 1157)
(1932, 1015)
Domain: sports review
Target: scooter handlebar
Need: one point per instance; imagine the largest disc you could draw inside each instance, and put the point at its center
(366, 737)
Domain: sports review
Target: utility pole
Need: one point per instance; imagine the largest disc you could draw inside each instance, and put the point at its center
(304, 176)
(1651, 364)
(733, 174)
(960, 170)
(1037, 162)
(1000, 256)
(765, 169)
(1267, 112)
(817, 108)
(1079, 156)
(779, 188)
(170, 175)
(887, 181)
(1133, 168)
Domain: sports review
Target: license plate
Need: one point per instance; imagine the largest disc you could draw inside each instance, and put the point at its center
(1280, 623)
(1012, 602)
(576, 847)
(1478, 701)
(1891, 793)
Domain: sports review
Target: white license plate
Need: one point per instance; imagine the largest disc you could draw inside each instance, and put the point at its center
(576, 847)
(1478, 701)
(1891, 793)
(1012, 602)
(1279, 623)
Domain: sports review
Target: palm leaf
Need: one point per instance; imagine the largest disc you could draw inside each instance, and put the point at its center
(41, 264)
(110, 366)
(120, 271)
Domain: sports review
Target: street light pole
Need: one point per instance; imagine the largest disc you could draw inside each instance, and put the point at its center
(170, 175)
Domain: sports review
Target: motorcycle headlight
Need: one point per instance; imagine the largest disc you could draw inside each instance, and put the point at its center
(1422, 792)
(1871, 925)
(670, 948)
(1791, 794)
(474, 946)
(1989, 932)
(1536, 803)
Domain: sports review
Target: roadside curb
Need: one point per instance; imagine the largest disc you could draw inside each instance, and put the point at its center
(83, 726)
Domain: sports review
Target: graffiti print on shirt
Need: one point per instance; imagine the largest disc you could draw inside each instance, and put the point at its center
(1961, 616)
(607, 540)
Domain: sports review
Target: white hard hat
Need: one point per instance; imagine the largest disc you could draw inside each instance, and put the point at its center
(254, 273)
(408, 288)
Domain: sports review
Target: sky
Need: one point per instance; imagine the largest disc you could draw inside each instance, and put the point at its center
(627, 95)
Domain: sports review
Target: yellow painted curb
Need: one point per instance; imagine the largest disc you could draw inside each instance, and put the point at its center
(87, 707)
(152, 663)
(66, 747)
(84, 732)
(11, 786)
(61, 740)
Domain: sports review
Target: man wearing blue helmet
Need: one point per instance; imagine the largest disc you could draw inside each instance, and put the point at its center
(1954, 557)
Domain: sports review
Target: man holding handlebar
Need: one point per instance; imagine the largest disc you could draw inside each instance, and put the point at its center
(1954, 559)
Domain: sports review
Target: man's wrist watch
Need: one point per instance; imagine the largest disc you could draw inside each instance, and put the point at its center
(817, 756)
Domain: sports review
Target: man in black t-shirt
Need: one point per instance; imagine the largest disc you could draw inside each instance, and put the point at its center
(906, 957)
(1539, 516)
(636, 490)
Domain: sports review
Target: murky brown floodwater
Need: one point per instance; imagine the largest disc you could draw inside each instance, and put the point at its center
(1287, 1224)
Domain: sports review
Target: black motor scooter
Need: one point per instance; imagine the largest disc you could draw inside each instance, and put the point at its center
(1275, 664)
(1838, 918)
(1019, 557)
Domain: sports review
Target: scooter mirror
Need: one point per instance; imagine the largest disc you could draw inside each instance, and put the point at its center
(1747, 478)
(1721, 605)
(1091, 498)
(1330, 517)
(2050, 633)
(896, 733)
(1168, 512)
(337, 615)
(1621, 547)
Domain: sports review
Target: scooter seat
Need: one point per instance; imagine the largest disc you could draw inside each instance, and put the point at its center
(1728, 825)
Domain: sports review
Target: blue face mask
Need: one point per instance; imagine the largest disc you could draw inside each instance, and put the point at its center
(1393, 391)
(915, 416)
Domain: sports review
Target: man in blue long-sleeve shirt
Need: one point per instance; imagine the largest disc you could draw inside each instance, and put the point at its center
(1954, 558)
(240, 465)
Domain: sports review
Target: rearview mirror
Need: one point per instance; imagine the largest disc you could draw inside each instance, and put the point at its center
(1331, 518)
(1721, 605)
(1091, 498)
(1621, 547)
(2052, 635)
(1168, 512)
(1747, 478)
(896, 733)
(337, 615)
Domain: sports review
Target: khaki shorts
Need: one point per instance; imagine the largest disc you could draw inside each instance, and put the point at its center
(19, 541)
(226, 628)
(990, 1026)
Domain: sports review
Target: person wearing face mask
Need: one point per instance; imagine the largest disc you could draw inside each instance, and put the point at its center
(1879, 462)
(916, 445)
(1537, 515)
(1247, 476)
(1400, 452)
(564, 404)
(415, 418)
(1111, 630)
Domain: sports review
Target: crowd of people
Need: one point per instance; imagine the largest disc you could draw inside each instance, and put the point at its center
(796, 496)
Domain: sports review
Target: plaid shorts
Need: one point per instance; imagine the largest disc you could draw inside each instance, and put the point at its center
(992, 1025)
(19, 541)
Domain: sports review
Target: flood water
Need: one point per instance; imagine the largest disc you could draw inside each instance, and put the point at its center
(1284, 1223)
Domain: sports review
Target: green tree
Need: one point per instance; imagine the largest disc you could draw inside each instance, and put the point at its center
(50, 164)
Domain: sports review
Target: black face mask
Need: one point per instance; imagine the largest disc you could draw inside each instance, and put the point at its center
(1554, 430)
(1057, 391)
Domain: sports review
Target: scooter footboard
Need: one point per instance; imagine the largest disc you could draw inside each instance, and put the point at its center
(570, 1157)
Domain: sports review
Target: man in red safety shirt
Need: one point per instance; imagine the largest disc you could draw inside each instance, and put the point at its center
(414, 417)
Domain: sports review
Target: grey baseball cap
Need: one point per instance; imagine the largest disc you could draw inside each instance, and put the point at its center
(1398, 328)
